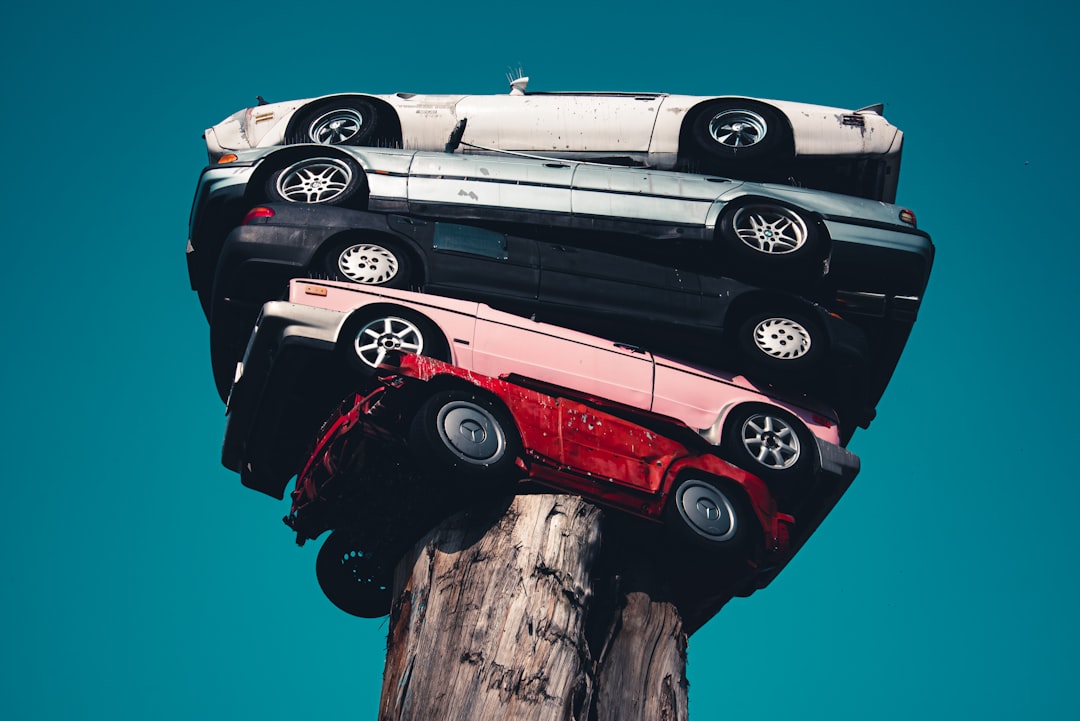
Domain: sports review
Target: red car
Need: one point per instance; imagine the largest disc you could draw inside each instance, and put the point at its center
(489, 433)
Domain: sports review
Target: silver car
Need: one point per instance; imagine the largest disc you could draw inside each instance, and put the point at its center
(761, 233)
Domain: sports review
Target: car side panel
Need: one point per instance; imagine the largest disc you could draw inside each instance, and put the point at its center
(560, 122)
(702, 399)
(618, 286)
(507, 344)
(483, 181)
(635, 193)
(426, 120)
(482, 263)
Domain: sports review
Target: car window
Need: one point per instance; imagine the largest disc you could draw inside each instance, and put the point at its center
(467, 239)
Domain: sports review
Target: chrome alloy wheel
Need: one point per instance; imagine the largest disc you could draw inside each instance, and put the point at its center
(337, 127)
(770, 229)
(738, 128)
(314, 180)
(771, 441)
(382, 335)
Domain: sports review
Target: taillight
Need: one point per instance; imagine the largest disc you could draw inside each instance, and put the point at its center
(908, 217)
(258, 212)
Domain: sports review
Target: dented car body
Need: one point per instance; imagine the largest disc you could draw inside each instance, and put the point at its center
(483, 434)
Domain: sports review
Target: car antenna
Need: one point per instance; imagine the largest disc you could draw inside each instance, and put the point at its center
(518, 81)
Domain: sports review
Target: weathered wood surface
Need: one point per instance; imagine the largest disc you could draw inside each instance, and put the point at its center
(496, 617)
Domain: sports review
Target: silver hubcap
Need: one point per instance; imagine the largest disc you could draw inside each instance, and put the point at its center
(771, 441)
(314, 181)
(383, 335)
(738, 128)
(782, 338)
(471, 433)
(706, 510)
(336, 127)
(368, 264)
(772, 230)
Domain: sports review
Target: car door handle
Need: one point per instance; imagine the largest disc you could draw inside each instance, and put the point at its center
(562, 249)
(556, 165)
(629, 347)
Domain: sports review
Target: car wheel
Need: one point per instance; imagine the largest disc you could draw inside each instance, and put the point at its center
(371, 261)
(767, 239)
(707, 515)
(768, 442)
(742, 130)
(353, 579)
(782, 343)
(469, 434)
(372, 335)
(338, 122)
(326, 180)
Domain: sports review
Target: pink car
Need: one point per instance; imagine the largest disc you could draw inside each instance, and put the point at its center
(781, 439)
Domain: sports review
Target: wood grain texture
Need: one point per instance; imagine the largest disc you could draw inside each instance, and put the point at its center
(496, 618)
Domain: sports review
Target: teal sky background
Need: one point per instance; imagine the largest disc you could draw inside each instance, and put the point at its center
(140, 580)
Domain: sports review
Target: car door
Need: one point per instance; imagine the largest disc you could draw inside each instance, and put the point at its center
(504, 344)
(677, 199)
(483, 264)
(489, 186)
(569, 122)
(615, 286)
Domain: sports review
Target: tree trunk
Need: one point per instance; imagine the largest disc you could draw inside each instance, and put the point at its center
(515, 612)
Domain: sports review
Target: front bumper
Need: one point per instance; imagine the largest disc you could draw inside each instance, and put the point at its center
(275, 369)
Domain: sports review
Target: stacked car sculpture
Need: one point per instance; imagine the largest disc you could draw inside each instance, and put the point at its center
(678, 307)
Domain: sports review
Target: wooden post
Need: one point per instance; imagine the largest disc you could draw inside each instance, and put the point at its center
(515, 611)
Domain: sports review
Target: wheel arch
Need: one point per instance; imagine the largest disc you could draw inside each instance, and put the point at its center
(740, 497)
(687, 143)
(348, 327)
(387, 133)
(721, 429)
(723, 221)
(255, 193)
(756, 300)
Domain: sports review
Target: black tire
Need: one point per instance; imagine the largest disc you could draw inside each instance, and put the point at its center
(323, 179)
(353, 579)
(469, 434)
(372, 333)
(743, 130)
(369, 260)
(770, 443)
(772, 241)
(782, 344)
(339, 121)
(708, 514)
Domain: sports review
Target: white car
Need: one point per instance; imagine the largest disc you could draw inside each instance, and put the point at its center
(856, 152)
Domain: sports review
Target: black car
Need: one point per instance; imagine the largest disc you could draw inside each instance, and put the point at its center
(554, 275)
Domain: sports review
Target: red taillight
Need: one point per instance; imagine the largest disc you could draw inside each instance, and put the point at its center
(259, 212)
(908, 217)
